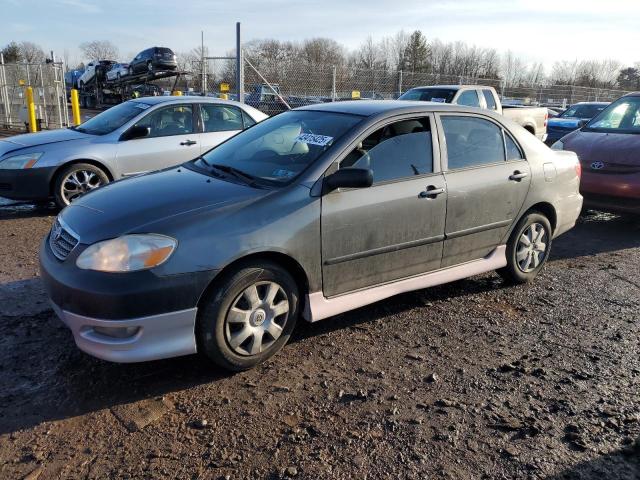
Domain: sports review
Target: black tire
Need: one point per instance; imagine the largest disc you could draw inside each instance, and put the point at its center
(211, 327)
(513, 272)
(58, 195)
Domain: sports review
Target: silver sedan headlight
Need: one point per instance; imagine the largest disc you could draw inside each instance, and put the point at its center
(128, 253)
(559, 145)
(17, 162)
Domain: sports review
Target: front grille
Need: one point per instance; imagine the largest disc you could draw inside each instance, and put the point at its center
(62, 240)
(5, 186)
(607, 168)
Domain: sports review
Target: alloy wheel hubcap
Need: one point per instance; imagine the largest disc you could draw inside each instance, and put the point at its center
(79, 182)
(532, 247)
(256, 318)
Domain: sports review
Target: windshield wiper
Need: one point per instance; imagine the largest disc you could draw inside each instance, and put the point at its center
(249, 179)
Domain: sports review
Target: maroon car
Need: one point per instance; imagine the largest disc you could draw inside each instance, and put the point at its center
(609, 151)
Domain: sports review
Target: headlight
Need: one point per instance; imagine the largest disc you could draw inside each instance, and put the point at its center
(127, 253)
(558, 145)
(26, 160)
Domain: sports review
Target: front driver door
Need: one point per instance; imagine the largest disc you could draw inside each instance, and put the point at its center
(393, 229)
(172, 140)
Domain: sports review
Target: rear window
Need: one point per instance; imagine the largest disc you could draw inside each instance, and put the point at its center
(164, 50)
(440, 95)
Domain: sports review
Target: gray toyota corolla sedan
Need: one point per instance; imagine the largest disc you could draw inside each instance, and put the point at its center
(131, 138)
(311, 213)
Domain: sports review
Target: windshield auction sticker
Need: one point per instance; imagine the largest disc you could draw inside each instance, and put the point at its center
(312, 139)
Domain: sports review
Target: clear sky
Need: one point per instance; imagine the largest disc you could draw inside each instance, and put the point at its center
(539, 30)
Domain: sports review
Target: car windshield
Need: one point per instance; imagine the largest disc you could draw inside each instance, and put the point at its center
(440, 95)
(112, 119)
(583, 111)
(277, 150)
(622, 116)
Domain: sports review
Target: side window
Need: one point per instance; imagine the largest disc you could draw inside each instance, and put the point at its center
(489, 98)
(513, 151)
(469, 98)
(173, 120)
(220, 118)
(399, 150)
(247, 120)
(472, 141)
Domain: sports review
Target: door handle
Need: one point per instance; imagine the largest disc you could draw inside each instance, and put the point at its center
(517, 176)
(188, 142)
(431, 192)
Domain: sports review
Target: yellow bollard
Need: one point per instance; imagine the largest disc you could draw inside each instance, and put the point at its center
(31, 109)
(75, 107)
(176, 93)
(224, 96)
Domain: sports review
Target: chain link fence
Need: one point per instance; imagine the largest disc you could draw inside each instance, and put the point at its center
(49, 95)
(295, 85)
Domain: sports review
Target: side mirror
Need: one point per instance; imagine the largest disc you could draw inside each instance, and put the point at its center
(349, 178)
(137, 131)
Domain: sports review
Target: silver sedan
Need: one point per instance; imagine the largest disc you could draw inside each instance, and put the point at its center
(134, 137)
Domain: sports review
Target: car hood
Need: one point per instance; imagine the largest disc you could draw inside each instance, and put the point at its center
(41, 138)
(153, 203)
(618, 148)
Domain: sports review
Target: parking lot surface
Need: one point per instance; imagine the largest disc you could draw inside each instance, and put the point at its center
(474, 379)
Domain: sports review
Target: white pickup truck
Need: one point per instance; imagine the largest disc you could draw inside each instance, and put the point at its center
(533, 119)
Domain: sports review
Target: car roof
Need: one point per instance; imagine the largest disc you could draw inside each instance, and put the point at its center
(184, 99)
(368, 108)
(453, 87)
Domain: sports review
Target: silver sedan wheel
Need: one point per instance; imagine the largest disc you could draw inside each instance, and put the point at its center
(256, 318)
(532, 248)
(79, 182)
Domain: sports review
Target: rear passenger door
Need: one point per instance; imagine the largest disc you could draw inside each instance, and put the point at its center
(395, 228)
(219, 122)
(487, 182)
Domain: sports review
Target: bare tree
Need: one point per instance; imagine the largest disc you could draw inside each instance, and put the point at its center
(31, 52)
(99, 50)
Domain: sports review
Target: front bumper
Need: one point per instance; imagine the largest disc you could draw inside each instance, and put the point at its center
(26, 184)
(618, 193)
(136, 339)
(127, 317)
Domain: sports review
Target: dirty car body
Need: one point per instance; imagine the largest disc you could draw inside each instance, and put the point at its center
(435, 193)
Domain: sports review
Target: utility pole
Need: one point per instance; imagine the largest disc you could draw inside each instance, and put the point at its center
(202, 64)
(239, 66)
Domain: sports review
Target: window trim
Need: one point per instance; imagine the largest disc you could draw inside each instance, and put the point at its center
(195, 129)
(444, 154)
(201, 106)
(437, 170)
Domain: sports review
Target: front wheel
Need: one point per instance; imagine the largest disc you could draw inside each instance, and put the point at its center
(528, 248)
(248, 317)
(76, 180)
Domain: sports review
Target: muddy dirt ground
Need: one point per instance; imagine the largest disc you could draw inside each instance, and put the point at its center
(470, 380)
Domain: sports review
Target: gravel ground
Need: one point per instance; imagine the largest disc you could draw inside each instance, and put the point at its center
(470, 380)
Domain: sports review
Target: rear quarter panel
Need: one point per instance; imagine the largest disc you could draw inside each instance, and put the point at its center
(554, 181)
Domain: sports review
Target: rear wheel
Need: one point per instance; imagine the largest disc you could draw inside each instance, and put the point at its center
(248, 317)
(75, 180)
(528, 248)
